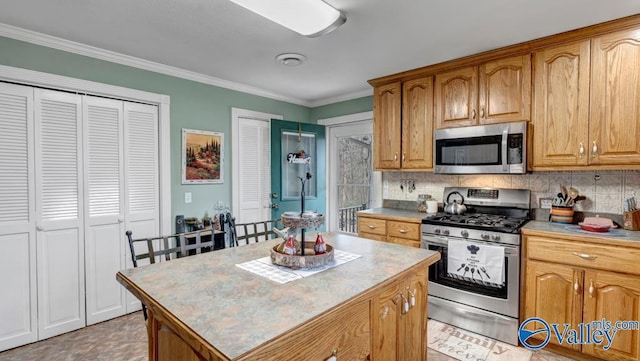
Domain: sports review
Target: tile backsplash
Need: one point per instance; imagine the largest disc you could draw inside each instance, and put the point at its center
(604, 190)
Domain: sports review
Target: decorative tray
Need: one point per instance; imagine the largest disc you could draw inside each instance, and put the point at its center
(309, 260)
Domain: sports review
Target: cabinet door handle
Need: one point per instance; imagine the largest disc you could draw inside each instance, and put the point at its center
(403, 231)
(412, 298)
(594, 150)
(403, 156)
(473, 114)
(405, 304)
(585, 256)
(581, 150)
(395, 156)
(576, 286)
(591, 289)
(371, 226)
(482, 113)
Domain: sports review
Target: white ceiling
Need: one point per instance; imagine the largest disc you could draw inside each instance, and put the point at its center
(221, 43)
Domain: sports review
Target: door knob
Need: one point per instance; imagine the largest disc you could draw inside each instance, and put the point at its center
(274, 195)
(275, 206)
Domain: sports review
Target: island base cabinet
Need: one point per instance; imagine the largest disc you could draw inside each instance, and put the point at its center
(346, 332)
(400, 320)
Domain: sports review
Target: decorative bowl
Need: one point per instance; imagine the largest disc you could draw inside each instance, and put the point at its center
(593, 227)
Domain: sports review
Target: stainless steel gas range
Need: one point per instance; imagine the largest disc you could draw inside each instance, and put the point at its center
(485, 242)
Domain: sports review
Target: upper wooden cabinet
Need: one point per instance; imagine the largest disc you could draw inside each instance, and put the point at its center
(495, 92)
(614, 130)
(572, 128)
(561, 105)
(403, 125)
(387, 103)
(417, 124)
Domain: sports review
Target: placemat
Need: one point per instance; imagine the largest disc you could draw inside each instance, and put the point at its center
(281, 274)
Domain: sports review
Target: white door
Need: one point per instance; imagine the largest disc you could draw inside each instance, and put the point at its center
(104, 213)
(354, 186)
(18, 313)
(251, 165)
(141, 178)
(59, 236)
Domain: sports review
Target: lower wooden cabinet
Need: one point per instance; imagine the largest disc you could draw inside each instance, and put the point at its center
(400, 313)
(585, 288)
(392, 231)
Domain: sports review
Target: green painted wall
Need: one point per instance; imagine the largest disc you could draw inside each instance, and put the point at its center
(193, 105)
(357, 105)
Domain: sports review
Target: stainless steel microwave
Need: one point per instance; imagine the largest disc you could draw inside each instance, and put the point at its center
(495, 148)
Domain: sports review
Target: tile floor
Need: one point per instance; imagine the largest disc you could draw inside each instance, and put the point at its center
(125, 339)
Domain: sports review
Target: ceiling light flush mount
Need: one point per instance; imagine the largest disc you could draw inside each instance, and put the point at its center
(291, 59)
(310, 18)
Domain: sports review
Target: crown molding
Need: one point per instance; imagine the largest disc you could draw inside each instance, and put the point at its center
(341, 98)
(49, 41)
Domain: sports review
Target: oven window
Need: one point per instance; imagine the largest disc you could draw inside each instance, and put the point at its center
(438, 273)
(469, 151)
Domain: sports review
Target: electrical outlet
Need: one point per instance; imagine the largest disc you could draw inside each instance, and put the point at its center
(187, 197)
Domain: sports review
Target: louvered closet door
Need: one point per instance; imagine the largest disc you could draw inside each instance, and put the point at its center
(254, 157)
(18, 313)
(59, 236)
(104, 207)
(142, 208)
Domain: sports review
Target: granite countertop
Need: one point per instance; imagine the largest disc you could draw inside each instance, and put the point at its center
(237, 311)
(617, 236)
(394, 213)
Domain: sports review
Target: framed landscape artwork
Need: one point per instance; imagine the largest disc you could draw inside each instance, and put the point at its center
(202, 156)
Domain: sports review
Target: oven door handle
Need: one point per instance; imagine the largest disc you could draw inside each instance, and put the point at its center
(437, 241)
(442, 241)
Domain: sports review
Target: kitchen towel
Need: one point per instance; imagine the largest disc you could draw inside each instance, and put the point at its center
(476, 261)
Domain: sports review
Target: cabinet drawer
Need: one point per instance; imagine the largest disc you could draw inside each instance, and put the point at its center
(404, 241)
(404, 230)
(611, 258)
(372, 225)
(377, 237)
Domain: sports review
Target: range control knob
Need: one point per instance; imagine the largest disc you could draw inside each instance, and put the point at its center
(436, 231)
(445, 232)
(464, 234)
(495, 237)
(484, 236)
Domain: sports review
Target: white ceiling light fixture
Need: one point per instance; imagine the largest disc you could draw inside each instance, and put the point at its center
(310, 18)
(291, 59)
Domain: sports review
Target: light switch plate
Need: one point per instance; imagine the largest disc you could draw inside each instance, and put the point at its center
(187, 197)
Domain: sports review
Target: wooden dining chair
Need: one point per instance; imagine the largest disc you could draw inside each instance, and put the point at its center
(255, 231)
(166, 248)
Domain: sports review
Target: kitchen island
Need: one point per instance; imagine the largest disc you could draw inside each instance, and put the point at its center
(204, 307)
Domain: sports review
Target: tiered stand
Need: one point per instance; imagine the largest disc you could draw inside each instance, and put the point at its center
(305, 256)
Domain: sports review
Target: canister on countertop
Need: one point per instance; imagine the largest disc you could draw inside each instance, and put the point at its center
(427, 204)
